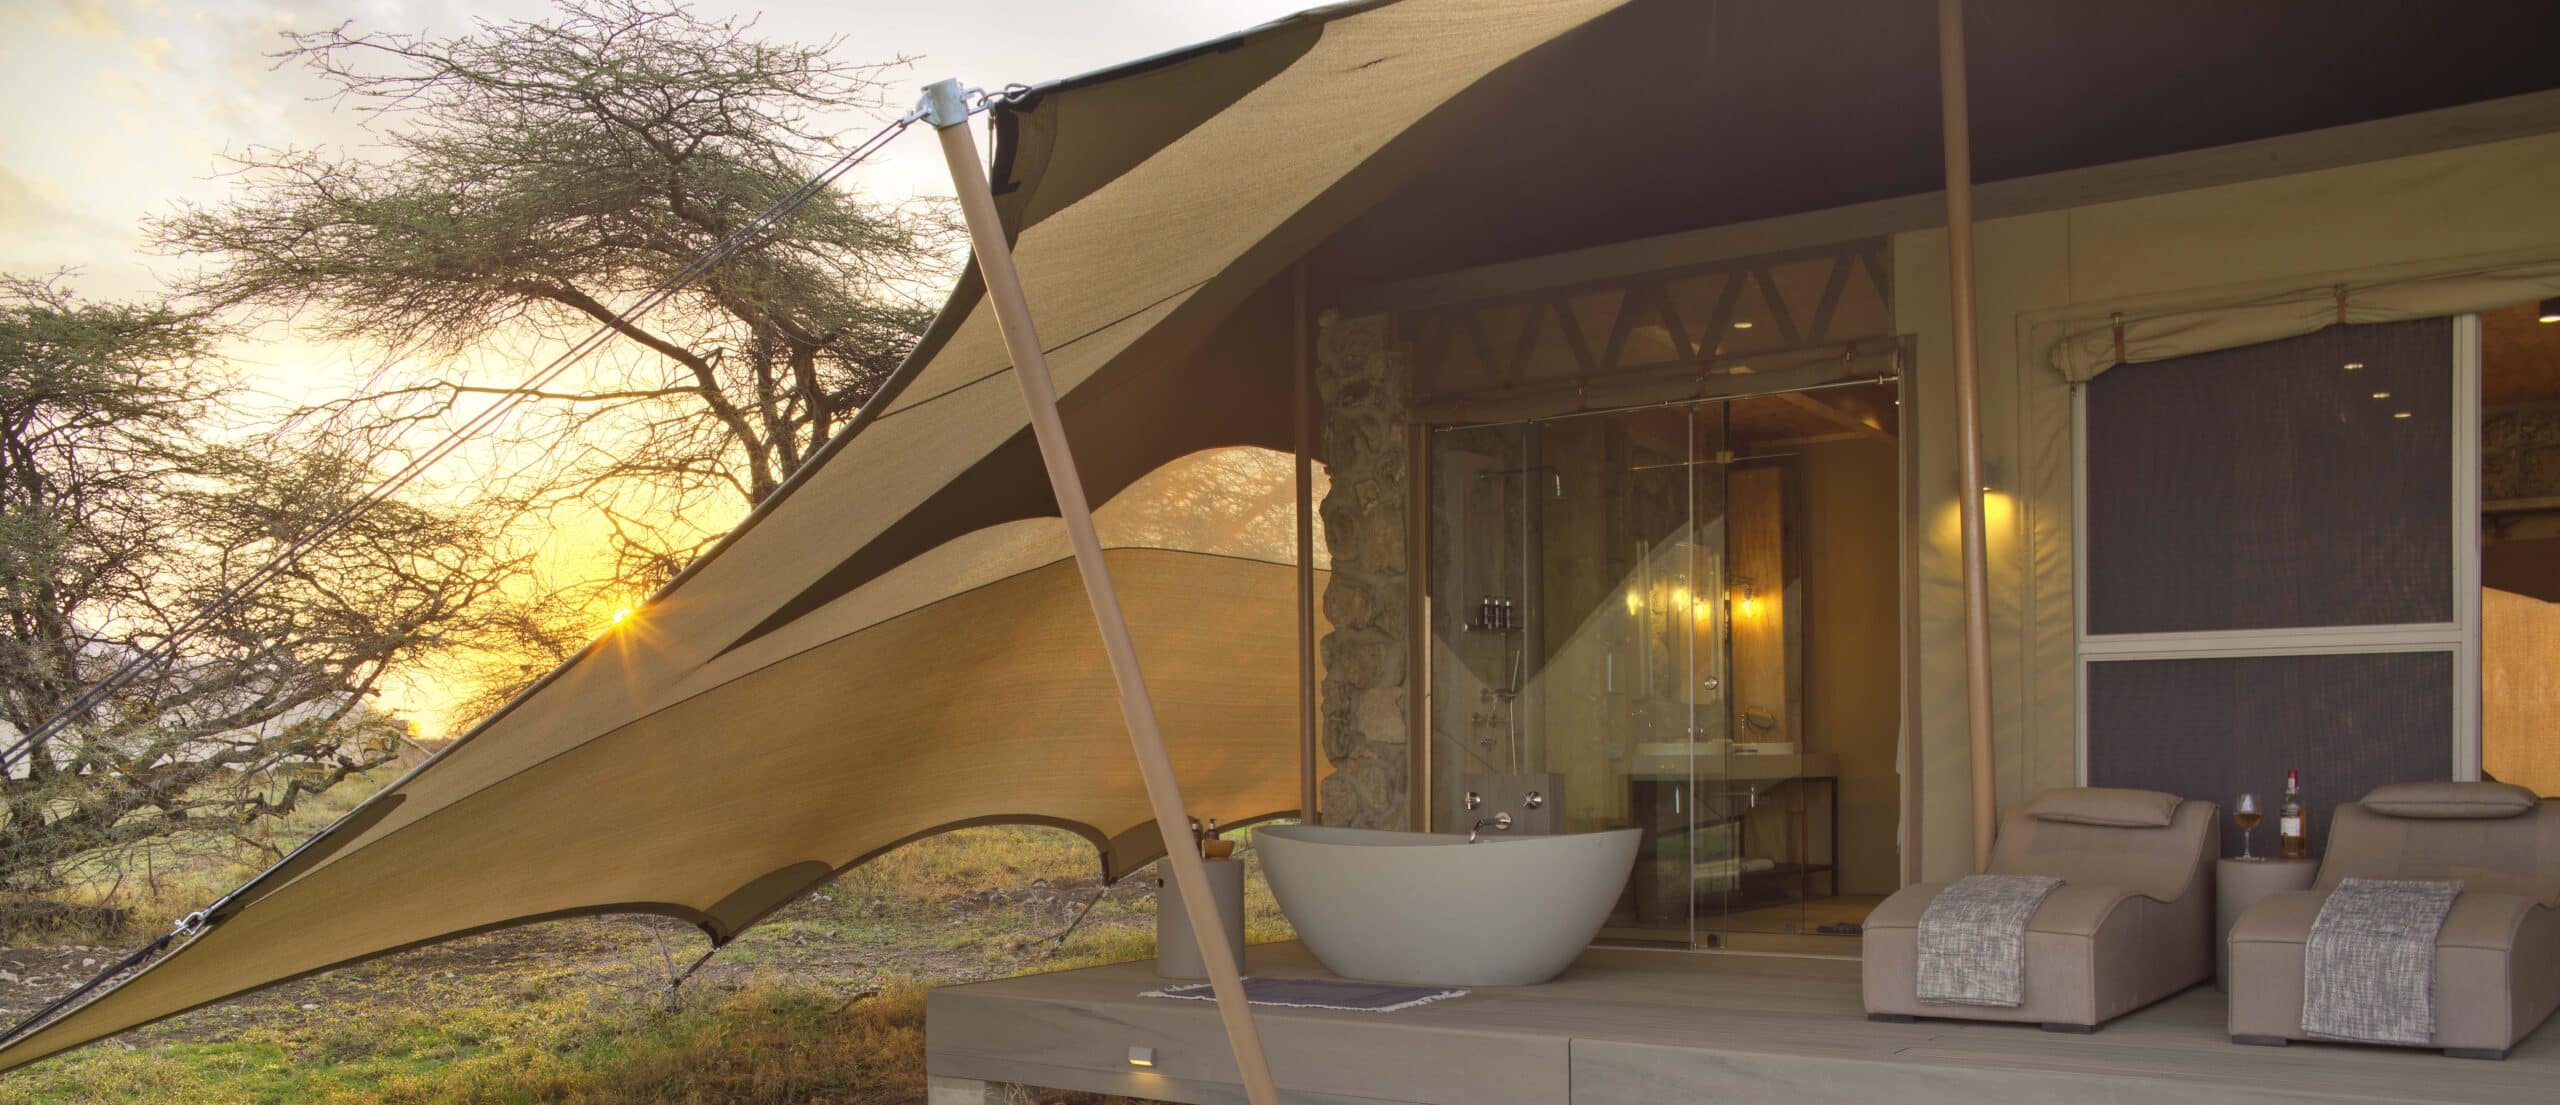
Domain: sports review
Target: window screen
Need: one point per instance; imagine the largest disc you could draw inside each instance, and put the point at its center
(2211, 728)
(2303, 482)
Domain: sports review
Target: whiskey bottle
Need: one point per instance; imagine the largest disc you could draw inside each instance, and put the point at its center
(2292, 822)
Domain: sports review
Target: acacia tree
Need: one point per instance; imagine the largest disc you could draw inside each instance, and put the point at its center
(123, 514)
(531, 177)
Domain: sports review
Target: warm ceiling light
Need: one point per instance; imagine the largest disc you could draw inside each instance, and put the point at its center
(1746, 325)
(2354, 365)
(2399, 414)
(2550, 311)
(2382, 395)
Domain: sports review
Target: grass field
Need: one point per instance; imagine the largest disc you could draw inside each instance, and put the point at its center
(822, 1003)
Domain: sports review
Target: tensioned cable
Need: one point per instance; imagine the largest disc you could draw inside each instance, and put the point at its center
(746, 235)
(230, 600)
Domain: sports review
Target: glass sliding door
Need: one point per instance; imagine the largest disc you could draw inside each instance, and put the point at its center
(1619, 615)
(1778, 797)
(1481, 516)
(1569, 561)
(1628, 567)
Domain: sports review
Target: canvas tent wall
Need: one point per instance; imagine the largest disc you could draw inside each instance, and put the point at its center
(2423, 234)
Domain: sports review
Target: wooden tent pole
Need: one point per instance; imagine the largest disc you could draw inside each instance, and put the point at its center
(1304, 404)
(950, 118)
(1977, 572)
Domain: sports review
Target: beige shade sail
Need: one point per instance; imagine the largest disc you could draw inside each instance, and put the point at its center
(894, 645)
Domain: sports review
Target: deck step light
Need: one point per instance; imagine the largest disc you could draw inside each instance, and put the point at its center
(1142, 1057)
(2550, 311)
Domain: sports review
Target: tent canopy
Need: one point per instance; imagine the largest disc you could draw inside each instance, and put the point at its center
(893, 645)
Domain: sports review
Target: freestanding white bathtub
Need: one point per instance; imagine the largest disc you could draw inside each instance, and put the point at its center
(1432, 909)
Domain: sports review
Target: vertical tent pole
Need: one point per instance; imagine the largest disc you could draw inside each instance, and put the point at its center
(1977, 571)
(947, 109)
(1304, 396)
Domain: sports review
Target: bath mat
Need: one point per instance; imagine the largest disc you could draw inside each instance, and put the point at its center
(1320, 993)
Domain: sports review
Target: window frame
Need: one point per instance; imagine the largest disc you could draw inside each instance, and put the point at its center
(2460, 637)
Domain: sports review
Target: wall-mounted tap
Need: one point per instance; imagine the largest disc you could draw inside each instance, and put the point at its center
(1501, 823)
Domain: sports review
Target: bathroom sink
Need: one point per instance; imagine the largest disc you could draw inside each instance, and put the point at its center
(1716, 759)
(1652, 750)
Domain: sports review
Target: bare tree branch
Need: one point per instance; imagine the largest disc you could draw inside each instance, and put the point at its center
(118, 520)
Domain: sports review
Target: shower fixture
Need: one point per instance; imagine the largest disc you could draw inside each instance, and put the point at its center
(1496, 614)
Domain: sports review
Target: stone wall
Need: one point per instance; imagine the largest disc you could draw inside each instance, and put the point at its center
(2520, 452)
(2520, 464)
(1364, 698)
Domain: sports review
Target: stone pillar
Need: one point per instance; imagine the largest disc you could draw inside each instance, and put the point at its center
(1364, 697)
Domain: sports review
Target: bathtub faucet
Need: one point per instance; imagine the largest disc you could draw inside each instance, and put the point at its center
(1501, 822)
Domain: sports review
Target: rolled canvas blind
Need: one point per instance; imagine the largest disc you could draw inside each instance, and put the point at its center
(2297, 485)
(2093, 346)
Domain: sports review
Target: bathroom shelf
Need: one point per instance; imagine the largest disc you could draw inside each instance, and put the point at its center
(1784, 884)
(1808, 866)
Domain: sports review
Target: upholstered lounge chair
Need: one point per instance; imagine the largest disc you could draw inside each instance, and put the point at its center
(2131, 924)
(2497, 964)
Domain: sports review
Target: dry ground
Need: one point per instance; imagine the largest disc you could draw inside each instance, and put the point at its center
(822, 1003)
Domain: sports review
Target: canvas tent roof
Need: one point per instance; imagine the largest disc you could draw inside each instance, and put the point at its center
(894, 644)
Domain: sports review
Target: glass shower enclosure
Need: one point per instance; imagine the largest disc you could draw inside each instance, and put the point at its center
(1617, 641)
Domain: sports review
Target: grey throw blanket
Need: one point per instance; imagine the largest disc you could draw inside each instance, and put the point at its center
(2368, 971)
(1973, 939)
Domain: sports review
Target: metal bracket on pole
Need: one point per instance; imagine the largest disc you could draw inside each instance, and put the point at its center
(946, 106)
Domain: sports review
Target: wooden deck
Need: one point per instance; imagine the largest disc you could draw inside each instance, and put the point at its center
(1626, 1027)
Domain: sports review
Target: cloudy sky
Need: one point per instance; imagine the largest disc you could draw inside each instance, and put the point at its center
(112, 109)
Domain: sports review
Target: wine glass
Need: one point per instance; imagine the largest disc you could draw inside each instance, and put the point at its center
(2246, 813)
